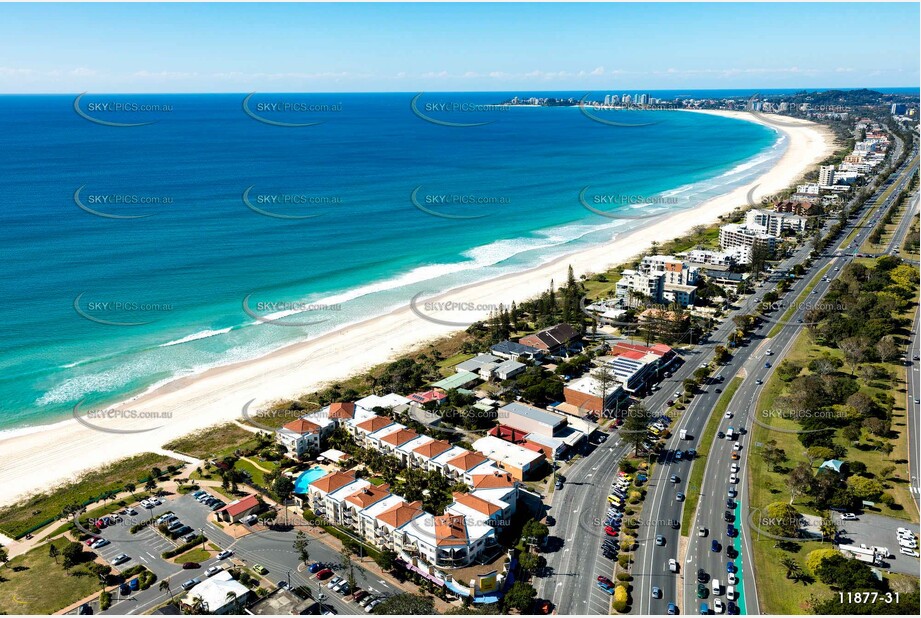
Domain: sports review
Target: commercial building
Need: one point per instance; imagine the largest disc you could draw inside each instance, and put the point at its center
(518, 461)
(587, 393)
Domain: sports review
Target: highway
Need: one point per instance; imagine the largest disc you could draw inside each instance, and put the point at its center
(912, 398)
(661, 505)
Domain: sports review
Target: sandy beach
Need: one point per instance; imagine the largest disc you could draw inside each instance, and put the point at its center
(41, 459)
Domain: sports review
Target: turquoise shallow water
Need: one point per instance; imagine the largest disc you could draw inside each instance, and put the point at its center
(99, 308)
(306, 478)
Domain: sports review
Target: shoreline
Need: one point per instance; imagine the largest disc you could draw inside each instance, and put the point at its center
(47, 455)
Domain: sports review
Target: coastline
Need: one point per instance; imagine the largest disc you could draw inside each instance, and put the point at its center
(52, 454)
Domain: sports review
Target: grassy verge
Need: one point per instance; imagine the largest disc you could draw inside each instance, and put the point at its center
(696, 479)
(870, 212)
(193, 555)
(255, 473)
(798, 302)
(213, 442)
(43, 508)
(34, 583)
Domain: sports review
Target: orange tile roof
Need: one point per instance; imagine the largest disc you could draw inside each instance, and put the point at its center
(302, 426)
(333, 481)
(467, 461)
(476, 503)
(450, 530)
(368, 496)
(375, 423)
(400, 437)
(342, 410)
(401, 514)
(493, 481)
(433, 449)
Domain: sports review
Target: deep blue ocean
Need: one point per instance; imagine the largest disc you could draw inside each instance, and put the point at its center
(135, 254)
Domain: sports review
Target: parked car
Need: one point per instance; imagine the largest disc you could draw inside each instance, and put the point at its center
(260, 569)
(324, 573)
(849, 517)
(316, 567)
(606, 588)
(120, 558)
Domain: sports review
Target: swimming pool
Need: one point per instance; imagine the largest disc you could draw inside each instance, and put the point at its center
(306, 478)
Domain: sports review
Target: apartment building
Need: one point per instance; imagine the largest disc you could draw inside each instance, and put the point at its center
(774, 223)
(734, 235)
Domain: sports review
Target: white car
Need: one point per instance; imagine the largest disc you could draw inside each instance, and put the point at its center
(909, 552)
(903, 531)
(728, 414)
(910, 543)
(734, 467)
(214, 570)
(848, 517)
(718, 606)
(334, 582)
(227, 553)
(733, 478)
(737, 446)
(732, 579)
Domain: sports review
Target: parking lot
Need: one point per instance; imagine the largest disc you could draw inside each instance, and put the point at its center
(879, 531)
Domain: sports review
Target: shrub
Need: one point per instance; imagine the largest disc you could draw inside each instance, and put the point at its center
(184, 547)
(105, 600)
(815, 557)
(620, 598)
(624, 577)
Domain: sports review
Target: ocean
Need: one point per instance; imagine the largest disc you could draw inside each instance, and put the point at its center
(147, 237)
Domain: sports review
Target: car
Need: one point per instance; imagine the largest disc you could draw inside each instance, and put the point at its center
(186, 585)
(702, 576)
(714, 545)
(731, 567)
(147, 504)
(213, 570)
(134, 584)
(672, 565)
(735, 455)
(731, 551)
(175, 525)
(359, 595)
(702, 532)
(99, 543)
(767, 365)
(344, 589)
(130, 511)
(370, 607)
(609, 554)
(732, 579)
(155, 501)
(334, 582)
(720, 435)
(660, 540)
(191, 565)
(674, 478)
(718, 606)
(670, 402)
(849, 517)
(733, 478)
(191, 536)
(218, 505)
(691, 453)
(732, 608)
(737, 446)
(678, 455)
(704, 610)
(672, 609)
(679, 497)
(198, 493)
(117, 560)
(608, 530)
(249, 519)
(728, 516)
(759, 381)
(731, 531)
(367, 599)
(316, 567)
(702, 591)
(656, 592)
(227, 553)
(282, 585)
(908, 551)
(606, 588)
(734, 467)
(91, 540)
(260, 569)
(184, 530)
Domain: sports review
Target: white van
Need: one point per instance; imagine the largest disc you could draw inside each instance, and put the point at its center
(715, 586)
(730, 593)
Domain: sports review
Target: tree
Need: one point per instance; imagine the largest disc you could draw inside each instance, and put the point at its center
(864, 488)
(231, 599)
(843, 574)
(773, 455)
(635, 426)
(800, 480)
(407, 604)
(151, 484)
(73, 554)
(782, 520)
(792, 567)
(828, 527)
(130, 487)
(854, 349)
(301, 546)
(53, 552)
(520, 596)
(815, 557)
(534, 532)
(164, 585)
(385, 559)
(530, 563)
(282, 487)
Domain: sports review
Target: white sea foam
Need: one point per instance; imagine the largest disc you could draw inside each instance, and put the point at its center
(196, 336)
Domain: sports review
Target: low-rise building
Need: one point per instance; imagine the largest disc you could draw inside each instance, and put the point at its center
(240, 508)
(219, 594)
(511, 350)
(589, 394)
(520, 462)
(554, 341)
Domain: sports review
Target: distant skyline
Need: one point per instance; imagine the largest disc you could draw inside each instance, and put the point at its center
(177, 48)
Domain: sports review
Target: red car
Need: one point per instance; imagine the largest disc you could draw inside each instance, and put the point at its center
(91, 540)
(608, 530)
(325, 574)
(605, 580)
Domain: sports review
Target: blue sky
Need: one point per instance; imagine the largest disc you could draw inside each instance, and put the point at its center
(412, 47)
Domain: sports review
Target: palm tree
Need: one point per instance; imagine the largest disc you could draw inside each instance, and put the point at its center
(828, 527)
(790, 565)
(54, 552)
(232, 599)
(164, 585)
(130, 487)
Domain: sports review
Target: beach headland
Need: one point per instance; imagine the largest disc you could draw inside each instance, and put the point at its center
(42, 458)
